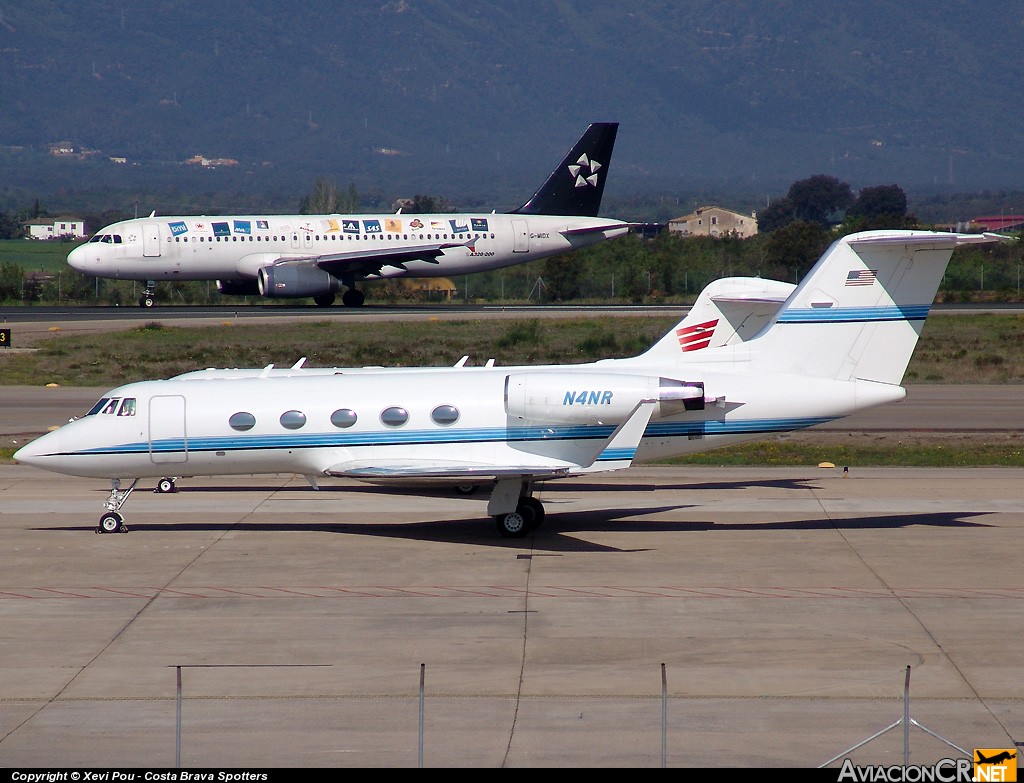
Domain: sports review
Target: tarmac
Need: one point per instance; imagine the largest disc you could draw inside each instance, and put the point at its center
(661, 616)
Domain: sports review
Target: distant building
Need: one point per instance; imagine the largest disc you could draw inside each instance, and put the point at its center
(210, 163)
(54, 228)
(714, 221)
(998, 223)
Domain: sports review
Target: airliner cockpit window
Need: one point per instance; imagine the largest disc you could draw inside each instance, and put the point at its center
(111, 406)
(127, 407)
(117, 239)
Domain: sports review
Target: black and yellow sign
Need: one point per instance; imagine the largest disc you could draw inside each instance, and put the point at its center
(5, 338)
(995, 764)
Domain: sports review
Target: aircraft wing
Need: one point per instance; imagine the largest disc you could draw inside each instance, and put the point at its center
(370, 262)
(439, 469)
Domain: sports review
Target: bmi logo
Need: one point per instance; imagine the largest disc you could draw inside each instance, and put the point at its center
(995, 764)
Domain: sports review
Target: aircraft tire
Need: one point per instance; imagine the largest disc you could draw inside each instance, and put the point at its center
(165, 485)
(513, 524)
(536, 508)
(466, 489)
(324, 300)
(147, 301)
(111, 522)
(353, 297)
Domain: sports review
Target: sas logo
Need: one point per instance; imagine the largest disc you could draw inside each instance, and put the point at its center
(995, 764)
(585, 171)
(371, 226)
(178, 228)
(587, 397)
(697, 336)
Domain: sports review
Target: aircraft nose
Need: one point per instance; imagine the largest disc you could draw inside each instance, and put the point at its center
(77, 258)
(35, 452)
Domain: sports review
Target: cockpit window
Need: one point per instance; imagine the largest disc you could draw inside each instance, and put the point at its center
(98, 406)
(109, 406)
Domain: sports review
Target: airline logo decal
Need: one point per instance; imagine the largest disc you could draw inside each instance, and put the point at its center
(585, 171)
(479, 224)
(437, 225)
(221, 230)
(243, 227)
(416, 224)
(392, 225)
(263, 225)
(331, 226)
(459, 226)
(693, 338)
(371, 226)
(178, 228)
(350, 226)
(861, 277)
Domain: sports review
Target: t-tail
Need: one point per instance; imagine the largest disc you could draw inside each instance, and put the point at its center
(858, 313)
(575, 187)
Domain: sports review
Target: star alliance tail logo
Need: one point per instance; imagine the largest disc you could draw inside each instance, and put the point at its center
(585, 171)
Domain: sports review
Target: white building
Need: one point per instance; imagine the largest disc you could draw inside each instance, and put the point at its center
(55, 228)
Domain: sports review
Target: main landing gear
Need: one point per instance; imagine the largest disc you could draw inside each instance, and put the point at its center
(148, 298)
(112, 521)
(514, 509)
(353, 297)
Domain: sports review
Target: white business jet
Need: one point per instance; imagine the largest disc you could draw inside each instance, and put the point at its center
(301, 256)
(838, 344)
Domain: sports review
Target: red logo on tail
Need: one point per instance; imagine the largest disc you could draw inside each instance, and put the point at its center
(693, 338)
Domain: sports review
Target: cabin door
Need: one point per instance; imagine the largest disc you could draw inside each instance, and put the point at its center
(521, 237)
(151, 240)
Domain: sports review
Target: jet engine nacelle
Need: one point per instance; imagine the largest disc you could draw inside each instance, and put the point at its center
(238, 287)
(293, 281)
(589, 398)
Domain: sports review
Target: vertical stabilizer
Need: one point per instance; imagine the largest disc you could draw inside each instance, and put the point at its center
(859, 312)
(575, 187)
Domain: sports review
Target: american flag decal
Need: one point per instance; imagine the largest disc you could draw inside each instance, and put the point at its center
(861, 276)
(693, 338)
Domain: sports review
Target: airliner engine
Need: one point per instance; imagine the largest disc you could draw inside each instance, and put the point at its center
(588, 398)
(291, 281)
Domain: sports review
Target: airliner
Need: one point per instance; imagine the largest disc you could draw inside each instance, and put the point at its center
(303, 256)
(838, 343)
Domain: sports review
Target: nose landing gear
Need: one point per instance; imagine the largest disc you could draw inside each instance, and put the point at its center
(112, 521)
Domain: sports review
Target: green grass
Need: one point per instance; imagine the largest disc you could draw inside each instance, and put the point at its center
(37, 255)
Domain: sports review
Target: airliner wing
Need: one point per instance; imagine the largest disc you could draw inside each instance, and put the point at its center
(370, 262)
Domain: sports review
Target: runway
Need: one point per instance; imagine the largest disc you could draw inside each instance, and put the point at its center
(785, 606)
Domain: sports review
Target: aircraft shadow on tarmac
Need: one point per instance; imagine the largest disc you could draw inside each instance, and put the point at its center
(559, 530)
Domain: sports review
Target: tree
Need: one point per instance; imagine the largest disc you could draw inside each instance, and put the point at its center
(880, 202)
(426, 205)
(327, 198)
(776, 215)
(796, 246)
(820, 199)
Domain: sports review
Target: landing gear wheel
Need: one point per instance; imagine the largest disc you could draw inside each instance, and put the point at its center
(111, 522)
(353, 298)
(146, 301)
(165, 485)
(516, 524)
(324, 300)
(466, 489)
(537, 509)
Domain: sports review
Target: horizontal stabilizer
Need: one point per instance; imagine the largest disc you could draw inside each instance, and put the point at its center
(570, 232)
